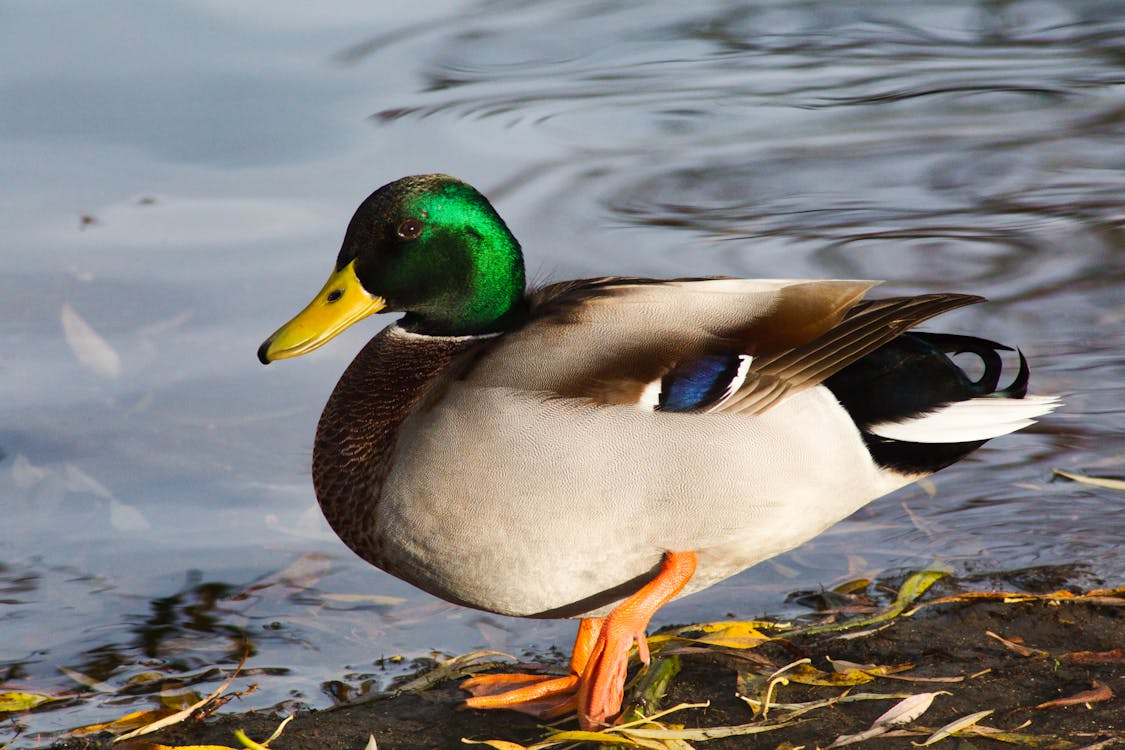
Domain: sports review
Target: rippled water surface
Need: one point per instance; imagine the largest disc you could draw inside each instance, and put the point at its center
(177, 178)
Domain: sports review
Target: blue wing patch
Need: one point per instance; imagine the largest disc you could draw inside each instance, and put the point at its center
(699, 383)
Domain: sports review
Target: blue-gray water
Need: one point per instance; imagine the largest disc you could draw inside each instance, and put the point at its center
(177, 177)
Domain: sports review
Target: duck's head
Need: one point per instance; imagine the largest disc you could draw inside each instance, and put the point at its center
(430, 246)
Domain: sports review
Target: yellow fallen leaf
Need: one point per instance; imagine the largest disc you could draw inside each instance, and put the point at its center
(740, 634)
(126, 722)
(749, 628)
(851, 587)
(605, 738)
(806, 674)
(914, 586)
(737, 634)
(498, 744)
(844, 675)
(16, 701)
(875, 670)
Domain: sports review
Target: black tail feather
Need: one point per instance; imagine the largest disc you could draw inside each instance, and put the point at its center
(913, 375)
(989, 353)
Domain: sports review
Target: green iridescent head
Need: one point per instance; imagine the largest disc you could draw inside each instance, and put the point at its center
(430, 246)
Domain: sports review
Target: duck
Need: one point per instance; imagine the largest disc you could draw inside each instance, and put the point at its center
(594, 448)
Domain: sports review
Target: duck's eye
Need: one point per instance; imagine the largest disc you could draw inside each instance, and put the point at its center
(335, 294)
(409, 229)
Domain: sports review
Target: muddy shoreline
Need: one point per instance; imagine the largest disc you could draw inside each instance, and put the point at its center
(1056, 646)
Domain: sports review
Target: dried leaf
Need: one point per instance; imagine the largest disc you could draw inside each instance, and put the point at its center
(708, 733)
(796, 709)
(178, 716)
(1016, 647)
(604, 738)
(1048, 742)
(1106, 597)
(953, 727)
(280, 728)
(1096, 694)
(843, 665)
(371, 744)
(912, 588)
(861, 633)
(364, 599)
(1113, 656)
(87, 681)
(778, 677)
(1109, 483)
(128, 721)
(806, 674)
(737, 634)
(91, 350)
(498, 744)
(455, 668)
(903, 712)
(845, 673)
(852, 587)
(912, 678)
(908, 709)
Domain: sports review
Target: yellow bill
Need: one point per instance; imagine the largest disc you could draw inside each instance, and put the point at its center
(341, 302)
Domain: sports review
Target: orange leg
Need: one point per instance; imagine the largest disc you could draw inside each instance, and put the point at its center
(541, 696)
(596, 683)
(602, 686)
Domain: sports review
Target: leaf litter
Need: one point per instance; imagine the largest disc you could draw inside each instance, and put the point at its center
(765, 685)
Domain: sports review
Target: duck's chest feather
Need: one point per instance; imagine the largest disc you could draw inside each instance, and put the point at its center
(357, 435)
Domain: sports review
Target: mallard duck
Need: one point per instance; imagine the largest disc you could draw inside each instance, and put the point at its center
(595, 448)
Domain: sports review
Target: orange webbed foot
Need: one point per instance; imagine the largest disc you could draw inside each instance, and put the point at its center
(596, 683)
(602, 688)
(541, 696)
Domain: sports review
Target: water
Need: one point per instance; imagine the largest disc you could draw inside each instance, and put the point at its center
(177, 178)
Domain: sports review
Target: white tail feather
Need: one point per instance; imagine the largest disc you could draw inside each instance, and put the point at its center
(966, 421)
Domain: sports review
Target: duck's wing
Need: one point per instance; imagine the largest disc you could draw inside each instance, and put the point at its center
(696, 344)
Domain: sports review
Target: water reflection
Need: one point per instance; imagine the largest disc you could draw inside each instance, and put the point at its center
(218, 152)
